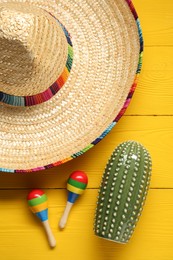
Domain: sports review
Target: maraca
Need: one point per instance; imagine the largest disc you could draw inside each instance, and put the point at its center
(76, 185)
(37, 201)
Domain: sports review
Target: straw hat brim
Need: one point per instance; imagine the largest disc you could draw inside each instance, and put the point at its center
(108, 45)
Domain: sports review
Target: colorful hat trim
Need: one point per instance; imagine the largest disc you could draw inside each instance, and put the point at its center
(52, 90)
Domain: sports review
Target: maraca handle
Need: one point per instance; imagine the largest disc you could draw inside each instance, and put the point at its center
(50, 236)
(64, 217)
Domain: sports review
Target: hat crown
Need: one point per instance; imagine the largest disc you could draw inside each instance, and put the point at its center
(31, 42)
(15, 24)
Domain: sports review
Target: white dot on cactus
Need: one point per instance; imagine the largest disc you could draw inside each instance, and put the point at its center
(135, 207)
(104, 187)
(106, 218)
(125, 210)
(131, 188)
(126, 204)
(123, 181)
(121, 186)
(123, 216)
(137, 201)
(120, 191)
(114, 179)
(134, 213)
(104, 228)
(103, 233)
(114, 214)
(108, 206)
(111, 194)
(128, 199)
(105, 223)
(113, 220)
(118, 202)
(119, 228)
(113, 183)
(100, 210)
(112, 188)
(97, 230)
(130, 194)
(117, 238)
(110, 200)
(132, 218)
(112, 225)
(116, 208)
(111, 230)
(118, 232)
(119, 196)
(117, 169)
(109, 235)
(99, 216)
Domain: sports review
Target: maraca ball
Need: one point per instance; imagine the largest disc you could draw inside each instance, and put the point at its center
(77, 182)
(37, 201)
(35, 194)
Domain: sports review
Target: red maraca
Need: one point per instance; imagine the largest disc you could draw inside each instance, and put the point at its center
(37, 201)
(76, 185)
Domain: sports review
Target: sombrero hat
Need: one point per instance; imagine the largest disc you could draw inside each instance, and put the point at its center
(68, 70)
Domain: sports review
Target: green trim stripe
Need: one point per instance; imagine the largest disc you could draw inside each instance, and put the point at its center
(37, 201)
(77, 184)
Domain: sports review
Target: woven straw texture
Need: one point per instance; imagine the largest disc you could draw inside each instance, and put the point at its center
(33, 49)
(106, 47)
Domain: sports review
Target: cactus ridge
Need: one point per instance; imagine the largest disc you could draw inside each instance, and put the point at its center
(122, 192)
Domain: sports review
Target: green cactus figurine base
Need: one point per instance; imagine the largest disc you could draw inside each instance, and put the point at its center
(122, 192)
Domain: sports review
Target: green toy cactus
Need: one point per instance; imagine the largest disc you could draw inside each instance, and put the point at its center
(122, 192)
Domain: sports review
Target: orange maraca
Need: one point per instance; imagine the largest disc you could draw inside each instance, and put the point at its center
(76, 185)
(37, 201)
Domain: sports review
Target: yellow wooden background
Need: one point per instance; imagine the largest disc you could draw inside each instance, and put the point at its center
(149, 120)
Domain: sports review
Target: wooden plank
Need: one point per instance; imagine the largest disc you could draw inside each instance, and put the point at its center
(22, 236)
(156, 20)
(154, 93)
(155, 133)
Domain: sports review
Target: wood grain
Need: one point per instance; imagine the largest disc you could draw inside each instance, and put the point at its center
(154, 94)
(156, 19)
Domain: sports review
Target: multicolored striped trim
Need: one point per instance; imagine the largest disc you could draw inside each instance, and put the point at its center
(114, 121)
(52, 90)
